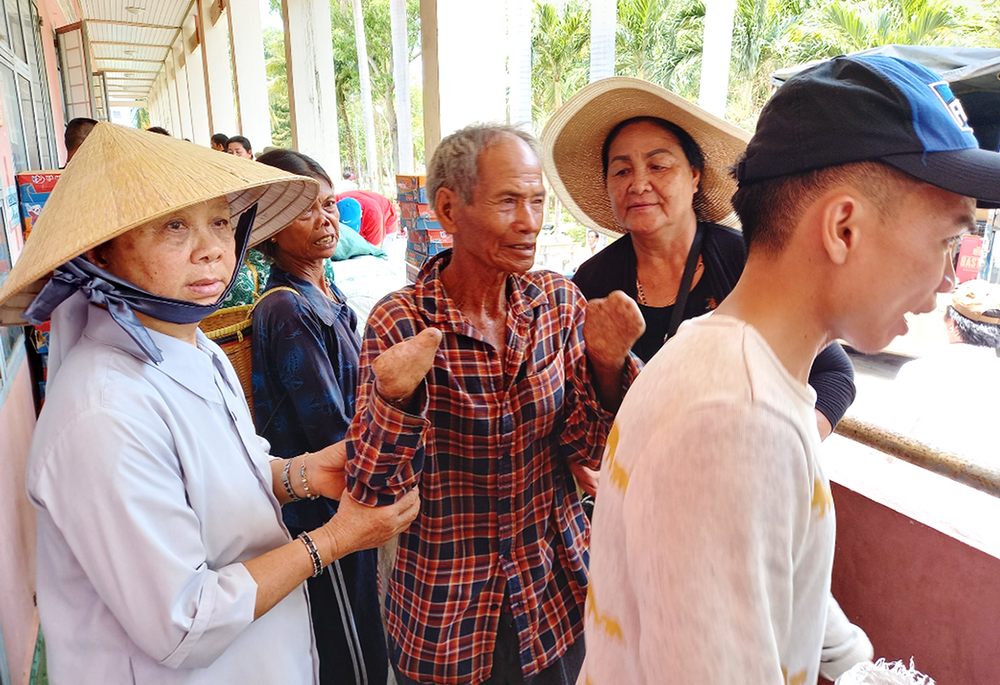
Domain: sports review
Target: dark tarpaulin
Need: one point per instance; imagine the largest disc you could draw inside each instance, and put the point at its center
(972, 73)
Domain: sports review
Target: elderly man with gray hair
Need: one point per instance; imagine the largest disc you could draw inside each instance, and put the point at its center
(490, 580)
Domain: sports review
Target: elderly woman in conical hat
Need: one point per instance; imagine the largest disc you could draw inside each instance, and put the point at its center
(161, 553)
(628, 157)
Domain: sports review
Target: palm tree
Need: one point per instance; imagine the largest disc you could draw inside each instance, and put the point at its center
(140, 118)
(860, 25)
(764, 39)
(660, 41)
(559, 47)
(277, 86)
(559, 51)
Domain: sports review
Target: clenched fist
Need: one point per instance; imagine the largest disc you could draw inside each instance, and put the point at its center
(612, 326)
(400, 369)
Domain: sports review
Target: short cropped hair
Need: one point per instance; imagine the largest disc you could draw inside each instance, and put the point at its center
(77, 131)
(221, 139)
(242, 141)
(455, 164)
(976, 333)
(769, 210)
(158, 129)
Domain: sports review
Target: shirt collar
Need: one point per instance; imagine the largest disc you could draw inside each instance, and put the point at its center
(326, 309)
(523, 297)
(192, 367)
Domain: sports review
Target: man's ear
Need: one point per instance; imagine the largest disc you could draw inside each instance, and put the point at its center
(446, 206)
(841, 217)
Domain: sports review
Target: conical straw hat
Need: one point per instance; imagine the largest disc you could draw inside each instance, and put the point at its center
(121, 178)
(574, 137)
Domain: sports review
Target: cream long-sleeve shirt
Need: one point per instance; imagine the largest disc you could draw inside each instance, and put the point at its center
(712, 543)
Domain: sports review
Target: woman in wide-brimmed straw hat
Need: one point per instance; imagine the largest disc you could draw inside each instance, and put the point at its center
(626, 156)
(161, 553)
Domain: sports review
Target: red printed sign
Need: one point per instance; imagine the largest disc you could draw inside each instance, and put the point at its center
(969, 253)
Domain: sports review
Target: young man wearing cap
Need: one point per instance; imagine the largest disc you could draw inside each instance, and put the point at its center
(941, 398)
(712, 547)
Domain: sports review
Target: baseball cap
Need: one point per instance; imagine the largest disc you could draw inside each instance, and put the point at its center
(871, 108)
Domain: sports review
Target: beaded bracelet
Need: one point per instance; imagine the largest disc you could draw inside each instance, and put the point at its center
(305, 483)
(313, 553)
(288, 485)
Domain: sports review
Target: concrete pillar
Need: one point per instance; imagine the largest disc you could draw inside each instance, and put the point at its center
(197, 93)
(401, 77)
(603, 22)
(164, 100)
(213, 32)
(154, 105)
(311, 86)
(170, 70)
(170, 87)
(465, 74)
(186, 129)
(519, 60)
(718, 46)
(253, 107)
(371, 178)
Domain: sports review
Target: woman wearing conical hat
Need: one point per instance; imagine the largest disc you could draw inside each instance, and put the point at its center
(161, 553)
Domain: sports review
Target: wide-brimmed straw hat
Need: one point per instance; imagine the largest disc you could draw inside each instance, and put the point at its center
(978, 300)
(120, 178)
(574, 137)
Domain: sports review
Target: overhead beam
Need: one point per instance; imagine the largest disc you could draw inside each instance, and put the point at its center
(138, 45)
(130, 59)
(132, 24)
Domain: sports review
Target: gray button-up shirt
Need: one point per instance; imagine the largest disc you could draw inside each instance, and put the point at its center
(151, 488)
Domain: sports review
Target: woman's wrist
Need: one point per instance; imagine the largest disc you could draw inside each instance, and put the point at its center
(295, 478)
(286, 481)
(326, 542)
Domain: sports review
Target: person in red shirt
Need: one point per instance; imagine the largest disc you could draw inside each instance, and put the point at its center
(378, 215)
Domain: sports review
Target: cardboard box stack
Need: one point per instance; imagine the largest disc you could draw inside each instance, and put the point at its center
(34, 188)
(425, 237)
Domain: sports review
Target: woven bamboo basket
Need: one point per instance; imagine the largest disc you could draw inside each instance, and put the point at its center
(230, 328)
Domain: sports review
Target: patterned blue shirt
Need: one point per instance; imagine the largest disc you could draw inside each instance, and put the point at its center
(305, 375)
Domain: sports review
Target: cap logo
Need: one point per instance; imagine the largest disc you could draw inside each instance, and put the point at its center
(951, 103)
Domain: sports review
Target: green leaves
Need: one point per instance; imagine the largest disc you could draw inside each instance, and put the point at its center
(560, 53)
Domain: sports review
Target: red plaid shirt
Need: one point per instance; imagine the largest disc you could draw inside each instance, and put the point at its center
(490, 452)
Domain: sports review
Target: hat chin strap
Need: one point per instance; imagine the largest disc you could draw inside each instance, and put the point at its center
(122, 298)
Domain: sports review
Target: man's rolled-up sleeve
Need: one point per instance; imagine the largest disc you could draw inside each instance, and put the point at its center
(587, 422)
(385, 445)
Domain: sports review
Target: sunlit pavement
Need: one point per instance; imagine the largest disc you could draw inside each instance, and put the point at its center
(936, 501)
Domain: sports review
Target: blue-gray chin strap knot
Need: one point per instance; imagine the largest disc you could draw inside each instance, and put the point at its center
(122, 298)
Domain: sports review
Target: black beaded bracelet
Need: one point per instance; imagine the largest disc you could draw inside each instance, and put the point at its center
(287, 483)
(313, 553)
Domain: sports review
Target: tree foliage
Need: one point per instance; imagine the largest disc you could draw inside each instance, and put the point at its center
(347, 86)
(658, 40)
(560, 54)
(856, 26)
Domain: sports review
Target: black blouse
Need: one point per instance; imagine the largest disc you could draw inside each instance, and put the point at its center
(724, 254)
